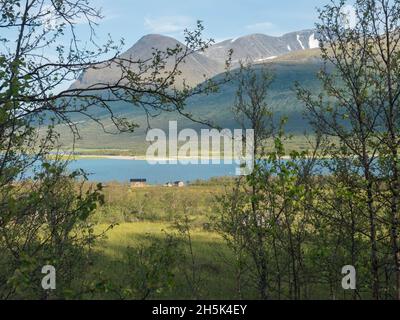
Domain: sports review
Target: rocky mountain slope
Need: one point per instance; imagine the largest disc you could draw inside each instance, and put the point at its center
(196, 68)
(258, 48)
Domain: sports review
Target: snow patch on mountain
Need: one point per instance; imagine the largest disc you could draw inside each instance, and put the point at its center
(301, 43)
(313, 42)
(289, 48)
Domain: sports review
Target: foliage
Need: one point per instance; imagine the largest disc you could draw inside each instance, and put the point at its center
(46, 226)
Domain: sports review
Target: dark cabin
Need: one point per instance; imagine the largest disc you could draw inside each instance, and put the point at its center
(138, 183)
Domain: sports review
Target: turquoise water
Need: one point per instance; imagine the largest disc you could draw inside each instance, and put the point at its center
(103, 170)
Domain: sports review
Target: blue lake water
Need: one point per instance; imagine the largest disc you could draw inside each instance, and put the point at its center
(103, 170)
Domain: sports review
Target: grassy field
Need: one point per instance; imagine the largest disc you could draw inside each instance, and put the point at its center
(143, 213)
(143, 219)
(210, 253)
(160, 204)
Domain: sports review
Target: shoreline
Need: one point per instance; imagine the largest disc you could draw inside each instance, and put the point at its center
(144, 158)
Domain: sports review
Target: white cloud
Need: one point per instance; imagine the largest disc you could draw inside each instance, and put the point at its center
(168, 24)
(261, 26)
(349, 16)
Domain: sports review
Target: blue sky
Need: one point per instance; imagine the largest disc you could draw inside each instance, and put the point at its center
(223, 19)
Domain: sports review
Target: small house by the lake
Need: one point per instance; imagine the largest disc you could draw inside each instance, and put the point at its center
(179, 184)
(138, 183)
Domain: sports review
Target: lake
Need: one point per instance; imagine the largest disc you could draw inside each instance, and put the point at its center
(103, 170)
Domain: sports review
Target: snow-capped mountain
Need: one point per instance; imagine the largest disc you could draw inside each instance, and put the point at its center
(257, 48)
(261, 47)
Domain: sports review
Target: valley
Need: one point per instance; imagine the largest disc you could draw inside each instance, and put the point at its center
(296, 66)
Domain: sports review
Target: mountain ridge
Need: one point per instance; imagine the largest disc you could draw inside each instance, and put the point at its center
(199, 66)
(259, 47)
(289, 67)
(195, 70)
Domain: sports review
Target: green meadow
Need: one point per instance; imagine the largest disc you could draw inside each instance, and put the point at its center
(139, 214)
(210, 252)
(203, 268)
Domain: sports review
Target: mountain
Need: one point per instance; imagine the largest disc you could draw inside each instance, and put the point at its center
(195, 70)
(258, 48)
(296, 66)
(293, 57)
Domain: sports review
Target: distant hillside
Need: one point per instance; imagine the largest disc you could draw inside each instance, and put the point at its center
(299, 66)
